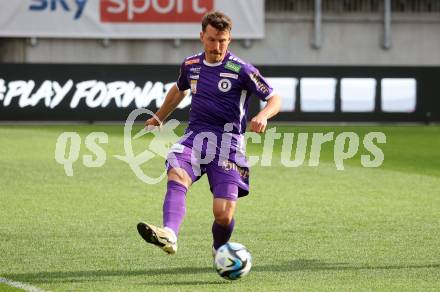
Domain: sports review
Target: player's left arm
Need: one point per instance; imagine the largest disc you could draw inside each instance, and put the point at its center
(258, 123)
(258, 85)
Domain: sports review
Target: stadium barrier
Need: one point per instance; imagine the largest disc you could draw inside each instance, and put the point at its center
(353, 6)
(72, 92)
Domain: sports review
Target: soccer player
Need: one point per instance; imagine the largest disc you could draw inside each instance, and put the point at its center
(221, 85)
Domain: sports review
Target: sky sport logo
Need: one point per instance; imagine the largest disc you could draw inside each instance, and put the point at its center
(123, 11)
(163, 144)
(77, 8)
(183, 11)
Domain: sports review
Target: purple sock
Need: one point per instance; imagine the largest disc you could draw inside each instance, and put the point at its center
(221, 234)
(174, 206)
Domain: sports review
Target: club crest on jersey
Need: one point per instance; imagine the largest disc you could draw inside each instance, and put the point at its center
(224, 85)
(233, 66)
(193, 86)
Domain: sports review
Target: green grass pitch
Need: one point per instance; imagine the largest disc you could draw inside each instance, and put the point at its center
(308, 228)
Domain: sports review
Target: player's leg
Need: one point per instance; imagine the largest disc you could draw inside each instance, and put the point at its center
(180, 177)
(174, 208)
(174, 205)
(223, 209)
(228, 182)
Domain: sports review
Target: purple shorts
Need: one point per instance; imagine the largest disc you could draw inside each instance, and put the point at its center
(227, 180)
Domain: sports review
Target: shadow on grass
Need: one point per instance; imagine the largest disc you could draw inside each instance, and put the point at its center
(97, 275)
(187, 283)
(291, 266)
(318, 265)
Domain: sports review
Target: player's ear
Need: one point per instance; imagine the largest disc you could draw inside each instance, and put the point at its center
(201, 36)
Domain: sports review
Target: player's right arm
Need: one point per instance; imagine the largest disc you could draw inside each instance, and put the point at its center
(172, 100)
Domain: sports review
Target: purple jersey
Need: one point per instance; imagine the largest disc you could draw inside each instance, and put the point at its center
(220, 92)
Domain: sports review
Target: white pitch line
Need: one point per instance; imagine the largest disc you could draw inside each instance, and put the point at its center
(19, 285)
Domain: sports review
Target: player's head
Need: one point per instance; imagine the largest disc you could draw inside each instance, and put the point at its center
(215, 35)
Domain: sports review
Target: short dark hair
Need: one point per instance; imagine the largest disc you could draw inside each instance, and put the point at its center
(218, 20)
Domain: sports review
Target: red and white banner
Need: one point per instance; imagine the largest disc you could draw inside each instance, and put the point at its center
(125, 19)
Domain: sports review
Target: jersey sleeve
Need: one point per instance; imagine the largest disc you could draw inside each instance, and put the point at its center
(182, 81)
(256, 83)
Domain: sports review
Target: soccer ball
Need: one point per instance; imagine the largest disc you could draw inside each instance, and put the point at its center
(233, 261)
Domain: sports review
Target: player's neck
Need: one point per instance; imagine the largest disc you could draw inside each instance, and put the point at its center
(214, 62)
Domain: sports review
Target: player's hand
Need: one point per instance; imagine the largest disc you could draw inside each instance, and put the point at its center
(258, 124)
(151, 124)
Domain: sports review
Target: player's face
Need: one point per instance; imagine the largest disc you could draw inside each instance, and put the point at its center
(215, 43)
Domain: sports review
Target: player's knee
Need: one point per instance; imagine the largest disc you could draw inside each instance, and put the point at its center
(223, 219)
(179, 175)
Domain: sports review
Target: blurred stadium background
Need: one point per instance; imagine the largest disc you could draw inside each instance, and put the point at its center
(332, 60)
(337, 63)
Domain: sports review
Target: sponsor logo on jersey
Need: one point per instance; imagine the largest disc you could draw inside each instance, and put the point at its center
(224, 85)
(229, 165)
(256, 78)
(195, 70)
(233, 66)
(193, 86)
(193, 61)
(194, 77)
(229, 75)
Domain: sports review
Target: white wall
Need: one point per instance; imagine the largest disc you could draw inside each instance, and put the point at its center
(287, 42)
